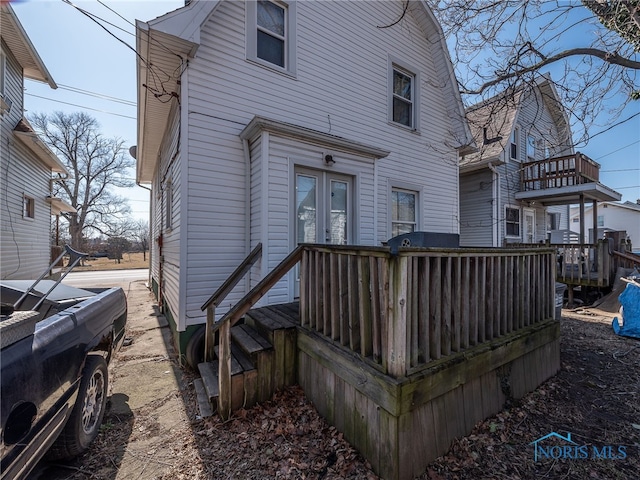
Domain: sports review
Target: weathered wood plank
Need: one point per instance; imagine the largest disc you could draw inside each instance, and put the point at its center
(413, 348)
(384, 314)
(326, 294)
(305, 281)
(456, 318)
(345, 313)
(446, 308)
(474, 315)
(364, 305)
(435, 310)
(423, 321)
(354, 314)
(334, 275)
(388, 441)
(375, 310)
(464, 298)
(224, 371)
(482, 305)
(397, 314)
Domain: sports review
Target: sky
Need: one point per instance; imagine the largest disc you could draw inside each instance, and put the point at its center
(96, 74)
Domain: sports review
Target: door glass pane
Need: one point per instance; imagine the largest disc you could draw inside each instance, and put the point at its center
(306, 207)
(338, 213)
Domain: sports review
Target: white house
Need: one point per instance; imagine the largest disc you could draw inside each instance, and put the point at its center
(611, 216)
(518, 186)
(286, 122)
(26, 204)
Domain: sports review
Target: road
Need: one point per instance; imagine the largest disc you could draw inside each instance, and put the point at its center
(106, 278)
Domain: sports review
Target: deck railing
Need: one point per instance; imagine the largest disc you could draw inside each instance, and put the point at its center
(558, 172)
(402, 312)
(580, 263)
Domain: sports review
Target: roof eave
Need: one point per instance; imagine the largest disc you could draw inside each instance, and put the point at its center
(27, 56)
(41, 150)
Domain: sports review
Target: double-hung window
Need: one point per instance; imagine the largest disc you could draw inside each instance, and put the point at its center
(404, 94)
(512, 221)
(515, 141)
(531, 147)
(270, 34)
(404, 218)
(403, 97)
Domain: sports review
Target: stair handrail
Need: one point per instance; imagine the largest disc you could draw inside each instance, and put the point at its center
(232, 280)
(230, 318)
(633, 258)
(221, 293)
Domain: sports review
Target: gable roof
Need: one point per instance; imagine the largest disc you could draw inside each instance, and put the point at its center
(21, 47)
(492, 121)
(165, 43)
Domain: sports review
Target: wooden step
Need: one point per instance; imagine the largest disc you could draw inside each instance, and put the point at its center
(204, 402)
(209, 374)
(280, 329)
(249, 340)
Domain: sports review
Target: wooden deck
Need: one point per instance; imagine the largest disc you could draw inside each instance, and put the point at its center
(402, 352)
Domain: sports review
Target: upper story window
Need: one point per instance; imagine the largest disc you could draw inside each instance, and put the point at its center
(404, 218)
(515, 142)
(270, 27)
(531, 147)
(403, 94)
(5, 103)
(403, 97)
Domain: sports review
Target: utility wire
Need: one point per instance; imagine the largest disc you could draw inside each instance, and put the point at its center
(96, 95)
(81, 106)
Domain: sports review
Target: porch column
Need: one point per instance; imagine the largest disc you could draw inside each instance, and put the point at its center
(595, 221)
(581, 219)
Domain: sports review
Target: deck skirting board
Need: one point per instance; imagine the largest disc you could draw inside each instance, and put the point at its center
(401, 425)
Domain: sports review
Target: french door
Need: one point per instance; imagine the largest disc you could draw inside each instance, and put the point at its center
(323, 209)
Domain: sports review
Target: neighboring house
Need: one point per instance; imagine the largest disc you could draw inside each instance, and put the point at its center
(611, 216)
(287, 122)
(26, 204)
(518, 186)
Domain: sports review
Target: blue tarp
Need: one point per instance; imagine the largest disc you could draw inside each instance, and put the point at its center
(630, 301)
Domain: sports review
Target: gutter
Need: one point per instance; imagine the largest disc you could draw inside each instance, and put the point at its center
(496, 204)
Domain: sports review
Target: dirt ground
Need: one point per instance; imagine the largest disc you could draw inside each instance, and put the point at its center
(129, 260)
(153, 431)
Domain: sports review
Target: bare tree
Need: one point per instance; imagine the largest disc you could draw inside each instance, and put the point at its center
(96, 165)
(140, 235)
(591, 49)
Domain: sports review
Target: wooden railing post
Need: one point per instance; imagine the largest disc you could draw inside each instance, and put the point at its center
(224, 371)
(209, 340)
(397, 317)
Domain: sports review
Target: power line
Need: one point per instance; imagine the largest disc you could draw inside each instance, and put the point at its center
(81, 106)
(621, 148)
(97, 95)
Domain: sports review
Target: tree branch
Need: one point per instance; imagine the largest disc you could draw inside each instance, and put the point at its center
(611, 58)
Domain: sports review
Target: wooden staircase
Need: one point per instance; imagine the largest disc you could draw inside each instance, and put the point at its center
(263, 359)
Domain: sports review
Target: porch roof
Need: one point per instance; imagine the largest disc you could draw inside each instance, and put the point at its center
(571, 194)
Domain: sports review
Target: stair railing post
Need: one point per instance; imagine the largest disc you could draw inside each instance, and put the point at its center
(224, 371)
(209, 340)
(397, 316)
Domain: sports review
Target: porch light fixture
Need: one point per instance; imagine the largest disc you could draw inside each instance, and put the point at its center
(328, 160)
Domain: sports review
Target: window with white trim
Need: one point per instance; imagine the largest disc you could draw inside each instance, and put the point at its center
(270, 34)
(28, 207)
(512, 221)
(531, 147)
(515, 143)
(404, 212)
(403, 97)
(553, 221)
(600, 220)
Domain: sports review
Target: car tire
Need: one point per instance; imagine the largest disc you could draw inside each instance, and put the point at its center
(86, 417)
(194, 351)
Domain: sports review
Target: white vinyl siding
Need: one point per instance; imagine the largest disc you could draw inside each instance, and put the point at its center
(477, 222)
(320, 99)
(24, 242)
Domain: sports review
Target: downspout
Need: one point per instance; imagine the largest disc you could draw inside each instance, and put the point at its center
(247, 198)
(496, 203)
(149, 240)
